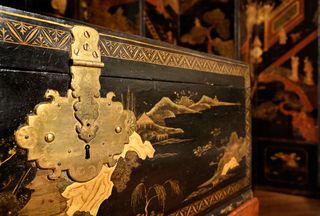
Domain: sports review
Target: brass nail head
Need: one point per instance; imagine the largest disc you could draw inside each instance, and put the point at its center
(118, 129)
(49, 137)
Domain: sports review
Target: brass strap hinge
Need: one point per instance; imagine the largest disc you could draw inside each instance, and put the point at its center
(81, 132)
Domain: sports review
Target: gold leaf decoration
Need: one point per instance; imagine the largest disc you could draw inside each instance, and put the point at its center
(89, 195)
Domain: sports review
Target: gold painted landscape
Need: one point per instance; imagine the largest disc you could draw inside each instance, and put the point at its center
(85, 193)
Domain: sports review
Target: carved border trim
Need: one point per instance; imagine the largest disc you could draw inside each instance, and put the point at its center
(121, 50)
(206, 203)
(23, 33)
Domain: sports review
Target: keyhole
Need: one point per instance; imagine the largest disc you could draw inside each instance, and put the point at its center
(87, 147)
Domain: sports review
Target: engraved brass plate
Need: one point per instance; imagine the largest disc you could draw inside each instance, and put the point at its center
(81, 132)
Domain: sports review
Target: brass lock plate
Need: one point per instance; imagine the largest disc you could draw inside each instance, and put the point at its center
(81, 132)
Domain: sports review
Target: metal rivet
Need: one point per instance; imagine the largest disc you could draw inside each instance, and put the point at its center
(95, 54)
(26, 137)
(86, 46)
(69, 151)
(76, 51)
(86, 34)
(59, 163)
(118, 129)
(49, 137)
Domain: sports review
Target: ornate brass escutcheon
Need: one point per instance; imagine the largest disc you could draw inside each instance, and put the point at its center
(81, 132)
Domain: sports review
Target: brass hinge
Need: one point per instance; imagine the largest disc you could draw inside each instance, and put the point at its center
(81, 132)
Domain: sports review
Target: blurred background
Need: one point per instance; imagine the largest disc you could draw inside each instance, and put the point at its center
(279, 41)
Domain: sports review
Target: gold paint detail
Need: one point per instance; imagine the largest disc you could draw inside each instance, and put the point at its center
(207, 202)
(88, 196)
(234, 152)
(143, 196)
(284, 17)
(308, 70)
(233, 163)
(120, 50)
(69, 133)
(34, 18)
(23, 33)
(210, 200)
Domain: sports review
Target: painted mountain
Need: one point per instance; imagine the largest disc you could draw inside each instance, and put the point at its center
(149, 130)
(207, 102)
(152, 125)
(166, 108)
(235, 151)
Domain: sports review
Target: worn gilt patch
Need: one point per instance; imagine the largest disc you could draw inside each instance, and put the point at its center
(88, 196)
(82, 132)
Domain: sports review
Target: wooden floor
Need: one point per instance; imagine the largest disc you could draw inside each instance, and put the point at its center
(278, 204)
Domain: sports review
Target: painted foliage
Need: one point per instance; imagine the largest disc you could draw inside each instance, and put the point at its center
(208, 26)
(117, 15)
(161, 20)
(123, 15)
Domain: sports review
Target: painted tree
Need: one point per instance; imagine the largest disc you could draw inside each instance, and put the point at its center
(142, 196)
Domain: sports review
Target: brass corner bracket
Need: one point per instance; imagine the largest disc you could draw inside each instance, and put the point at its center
(81, 132)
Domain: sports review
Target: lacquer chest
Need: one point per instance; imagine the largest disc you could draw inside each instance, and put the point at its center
(94, 122)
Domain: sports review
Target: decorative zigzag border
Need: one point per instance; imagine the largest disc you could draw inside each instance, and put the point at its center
(121, 50)
(23, 33)
(204, 204)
